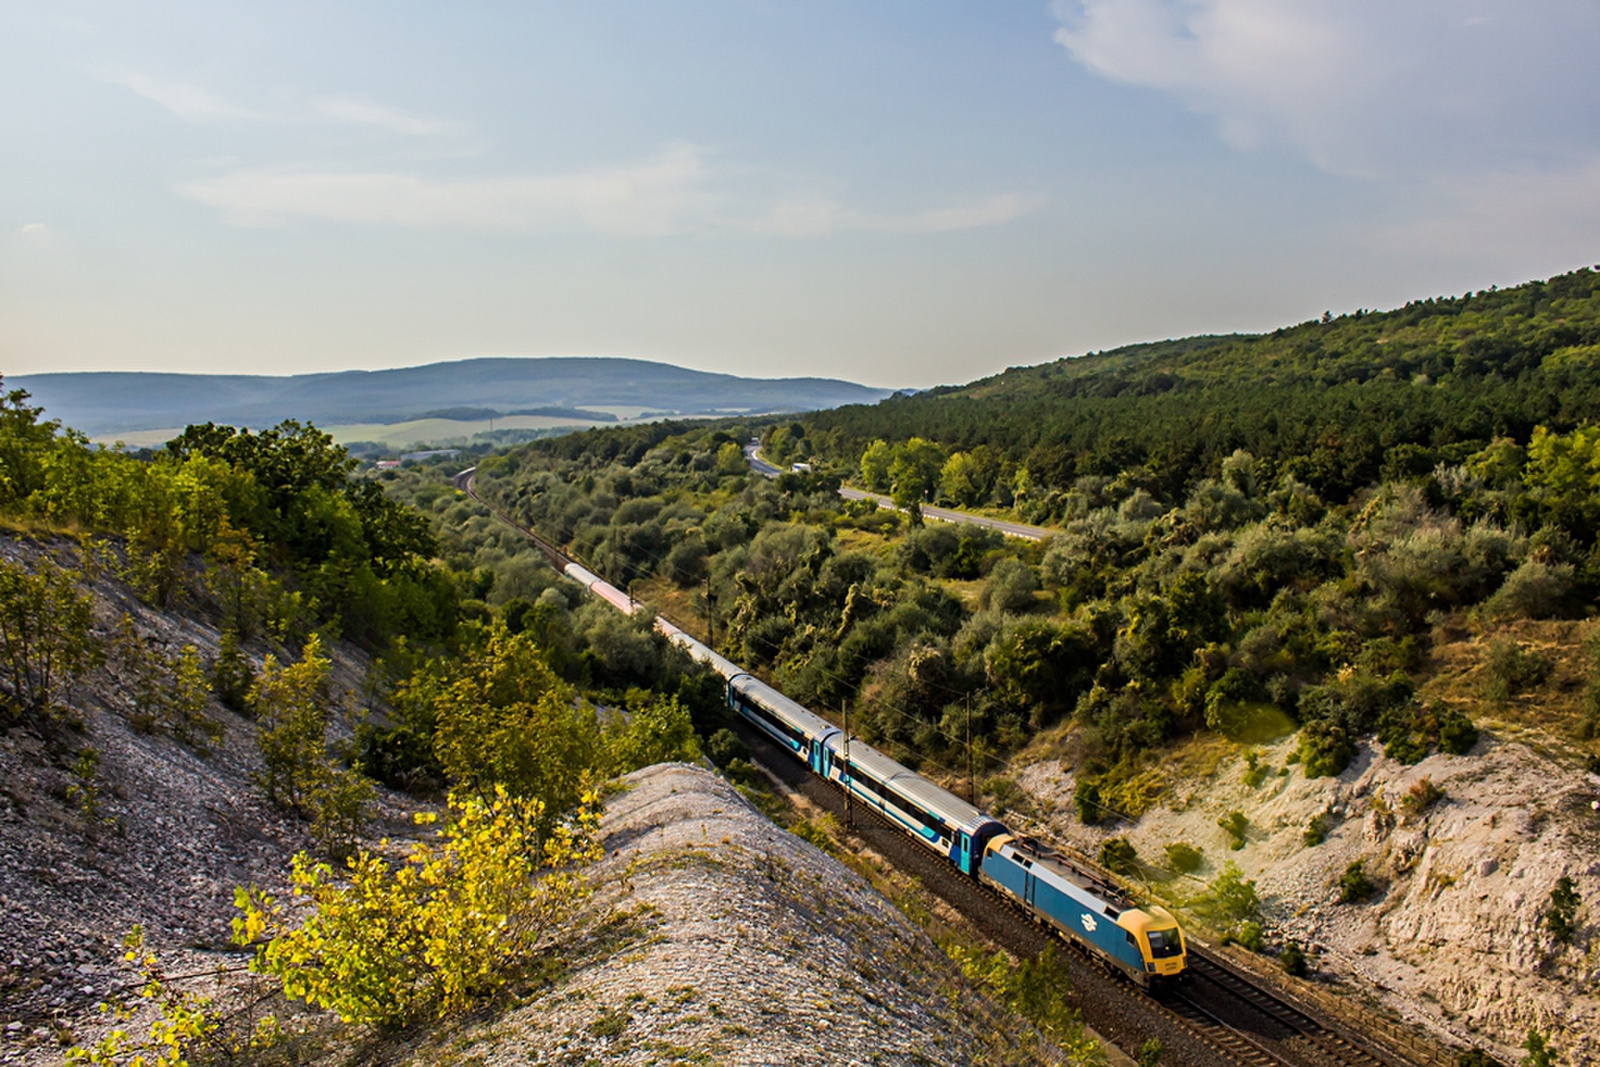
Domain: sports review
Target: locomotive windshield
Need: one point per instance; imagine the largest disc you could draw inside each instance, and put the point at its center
(1164, 943)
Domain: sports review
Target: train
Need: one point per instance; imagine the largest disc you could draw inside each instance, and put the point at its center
(1146, 943)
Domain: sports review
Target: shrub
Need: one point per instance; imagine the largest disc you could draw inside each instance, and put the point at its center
(1326, 748)
(1354, 885)
(1232, 897)
(1560, 918)
(1255, 772)
(1457, 733)
(1317, 827)
(1421, 796)
(1010, 587)
(232, 677)
(458, 919)
(1476, 1057)
(1150, 1053)
(1249, 935)
(1184, 857)
(1539, 1052)
(1511, 670)
(1234, 824)
(1118, 854)
(1293, 960)
(1086, 797)
(44, 634)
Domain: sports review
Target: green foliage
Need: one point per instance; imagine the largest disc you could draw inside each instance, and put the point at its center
(1184, 858)
(1539, 1051)
(1511, 670)
(232, 676)
(1476, 1057)
(1354, 885)
(450, 925)
(1037, 989)
(1117, 854)
(185, 1024)
(1150, 1053)
(1236, 826)
(45, 643)
(1293, 960)
(1560, 918)
(1231, 898)
(1086, 798)
(1248, 935)
(1317, 827)
(294, 706)
(168, 694)
(1255, 772)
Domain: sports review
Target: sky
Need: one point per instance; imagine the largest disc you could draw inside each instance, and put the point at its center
(899, 193)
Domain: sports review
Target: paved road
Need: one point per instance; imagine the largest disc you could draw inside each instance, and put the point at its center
(1010, 529)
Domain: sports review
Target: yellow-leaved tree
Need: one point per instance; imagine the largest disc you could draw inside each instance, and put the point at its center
(454, 922)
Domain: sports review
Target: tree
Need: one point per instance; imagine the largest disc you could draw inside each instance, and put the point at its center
(44, 633)
(505, 720)
(452, 923)
(875, 464)
(294, 705)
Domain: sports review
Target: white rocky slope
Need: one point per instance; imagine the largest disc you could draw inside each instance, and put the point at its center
(752, 947)
(1453, 938)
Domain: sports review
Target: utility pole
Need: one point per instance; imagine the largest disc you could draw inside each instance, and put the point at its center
(970, 799)
(849, 820)
(711, 617)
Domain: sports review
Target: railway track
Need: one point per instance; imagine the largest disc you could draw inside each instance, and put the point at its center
(1222, 1016)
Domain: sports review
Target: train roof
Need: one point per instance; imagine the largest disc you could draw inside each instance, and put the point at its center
(1043, 856)
(698, 651)
(913, 786)
(797, 715)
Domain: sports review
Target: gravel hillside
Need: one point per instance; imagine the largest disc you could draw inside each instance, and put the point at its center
(1452, 937)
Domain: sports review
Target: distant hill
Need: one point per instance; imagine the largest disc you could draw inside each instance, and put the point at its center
(99, 403)
(1339, 402)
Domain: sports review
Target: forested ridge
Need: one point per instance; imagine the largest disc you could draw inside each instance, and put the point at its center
(1339, 403)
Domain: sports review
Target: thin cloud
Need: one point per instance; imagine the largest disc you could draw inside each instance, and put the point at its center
(363, 112)
(34, 229)
(1531, 219)
(815, 216)
(192, 103)
(653, 197)
(673, 192)
(1363, 87)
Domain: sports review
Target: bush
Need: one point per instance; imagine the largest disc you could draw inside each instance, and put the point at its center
(1150, 1053)
(1248, 935)
(1539, 1052)
(1354, 885)
(459, 918)
(1421, 796)
(1255, 772)
(1184, 857)
(1086, 797)
(1293, 960)
(1561, 916)
(1234, 824)
(1511, 670)
(1476, 1057)
(1232, 897)
(1010, 588)
(1117, 854)
(1316, 831)
(1457, 733)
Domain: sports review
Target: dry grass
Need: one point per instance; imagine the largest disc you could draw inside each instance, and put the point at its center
(1545, 717)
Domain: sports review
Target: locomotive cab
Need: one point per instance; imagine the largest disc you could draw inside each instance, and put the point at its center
(1159, 940)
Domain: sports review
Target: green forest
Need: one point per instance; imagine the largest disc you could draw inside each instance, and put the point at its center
(1257, 534)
